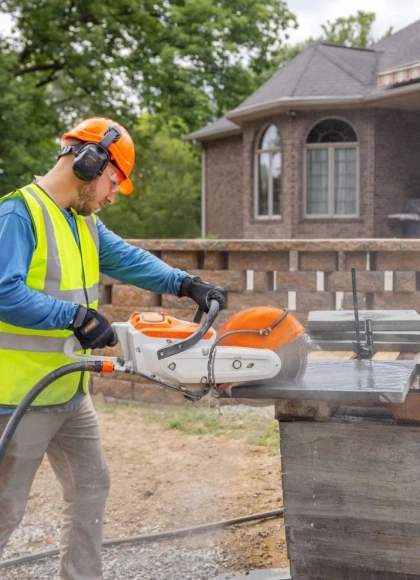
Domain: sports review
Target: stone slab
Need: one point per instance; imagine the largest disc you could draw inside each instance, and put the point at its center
(378, 345)
(340, 380)
(381, 335)
(339, 320)
(272, 574)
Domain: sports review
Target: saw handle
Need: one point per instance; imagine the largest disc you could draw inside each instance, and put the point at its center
(192, 340)
(71, 345)
(215, 294)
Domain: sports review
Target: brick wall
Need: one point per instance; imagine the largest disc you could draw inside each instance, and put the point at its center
(397, 167)
(389, 172)
(224, 185)
(302, 275)
(294, 132)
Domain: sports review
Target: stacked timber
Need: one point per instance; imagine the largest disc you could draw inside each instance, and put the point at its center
(392, 329)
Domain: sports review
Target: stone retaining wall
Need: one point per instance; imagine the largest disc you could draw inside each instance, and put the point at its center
(302, 275)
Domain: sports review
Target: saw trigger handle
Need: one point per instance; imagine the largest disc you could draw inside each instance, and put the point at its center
(72, 346)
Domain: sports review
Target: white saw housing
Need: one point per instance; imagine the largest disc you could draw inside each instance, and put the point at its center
(231, 364)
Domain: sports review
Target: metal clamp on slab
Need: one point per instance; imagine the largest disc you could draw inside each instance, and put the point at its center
(363, 349)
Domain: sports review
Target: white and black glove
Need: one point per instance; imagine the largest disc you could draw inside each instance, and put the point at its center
(92, 329)
(202, 292)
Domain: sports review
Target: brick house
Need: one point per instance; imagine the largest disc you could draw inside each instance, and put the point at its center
(328, 147)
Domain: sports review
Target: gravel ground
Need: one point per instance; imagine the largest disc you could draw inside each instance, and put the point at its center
(135, 562)
(227, 473)
(176, 559)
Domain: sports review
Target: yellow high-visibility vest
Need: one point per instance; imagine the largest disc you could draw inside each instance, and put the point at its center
(64, 270)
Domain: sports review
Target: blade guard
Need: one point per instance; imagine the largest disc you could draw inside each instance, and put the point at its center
(260, 318)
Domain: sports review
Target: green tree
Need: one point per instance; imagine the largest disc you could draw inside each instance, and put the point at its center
(166, 199)
(183, 57)
(28, 127)
(353, 31)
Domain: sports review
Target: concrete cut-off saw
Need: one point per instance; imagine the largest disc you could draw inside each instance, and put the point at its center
(259, 344)
(262, 345)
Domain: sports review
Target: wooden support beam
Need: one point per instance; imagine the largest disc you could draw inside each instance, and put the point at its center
(392, 355)
(350, 492)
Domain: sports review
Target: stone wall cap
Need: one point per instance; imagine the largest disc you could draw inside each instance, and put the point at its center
(272, 245)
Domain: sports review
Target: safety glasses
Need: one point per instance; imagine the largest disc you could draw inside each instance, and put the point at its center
(115, 176)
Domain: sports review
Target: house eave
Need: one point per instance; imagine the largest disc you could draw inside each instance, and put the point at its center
(393, 97)
(389, 94)
(286, 104)
(200, 136)
(289, 104)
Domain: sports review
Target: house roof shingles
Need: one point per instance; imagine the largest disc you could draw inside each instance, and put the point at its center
(326, 71)
(399, 49)
(320, 70)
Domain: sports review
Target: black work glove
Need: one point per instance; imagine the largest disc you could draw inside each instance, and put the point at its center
(92, 329)
(202, 292)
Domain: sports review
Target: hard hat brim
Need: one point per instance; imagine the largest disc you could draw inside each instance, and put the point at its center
(126, 187)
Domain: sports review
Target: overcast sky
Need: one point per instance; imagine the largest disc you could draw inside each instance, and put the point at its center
(312, 13)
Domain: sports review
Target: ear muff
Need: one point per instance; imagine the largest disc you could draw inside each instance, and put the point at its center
(91, 159)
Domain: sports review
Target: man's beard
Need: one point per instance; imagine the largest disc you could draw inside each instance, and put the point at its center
(86, 200)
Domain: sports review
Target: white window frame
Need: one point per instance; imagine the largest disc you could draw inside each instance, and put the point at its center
(272, 151)
(331, 174)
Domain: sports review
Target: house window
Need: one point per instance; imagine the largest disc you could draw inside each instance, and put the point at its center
(332, 170)
(268, 175)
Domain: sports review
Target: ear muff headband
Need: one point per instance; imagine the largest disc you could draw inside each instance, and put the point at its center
(91, 159)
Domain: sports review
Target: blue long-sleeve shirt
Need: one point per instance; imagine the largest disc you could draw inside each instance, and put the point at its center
(22, 306)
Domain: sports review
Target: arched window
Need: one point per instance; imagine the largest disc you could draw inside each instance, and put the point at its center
(268, 174)
(332, 170)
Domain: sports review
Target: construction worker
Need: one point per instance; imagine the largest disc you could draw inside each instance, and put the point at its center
(53, 248)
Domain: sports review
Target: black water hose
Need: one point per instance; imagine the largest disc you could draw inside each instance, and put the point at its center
(96, 366)
(145, 538)
(24, 405)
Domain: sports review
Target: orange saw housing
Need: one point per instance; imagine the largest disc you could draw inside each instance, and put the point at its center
(162, 325)
(260, 318)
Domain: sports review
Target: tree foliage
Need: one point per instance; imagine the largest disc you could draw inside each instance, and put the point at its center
(28, 127)
(353, 31)
(166, 198)
(179, 60)
(183, 57)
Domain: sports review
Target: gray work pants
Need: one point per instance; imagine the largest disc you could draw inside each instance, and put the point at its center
(71, 441)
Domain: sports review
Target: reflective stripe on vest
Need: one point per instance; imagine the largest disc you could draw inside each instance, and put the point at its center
(9, 341)
(53, 275)
(61, 269)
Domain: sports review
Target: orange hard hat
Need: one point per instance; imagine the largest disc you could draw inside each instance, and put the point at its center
(92, 130)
